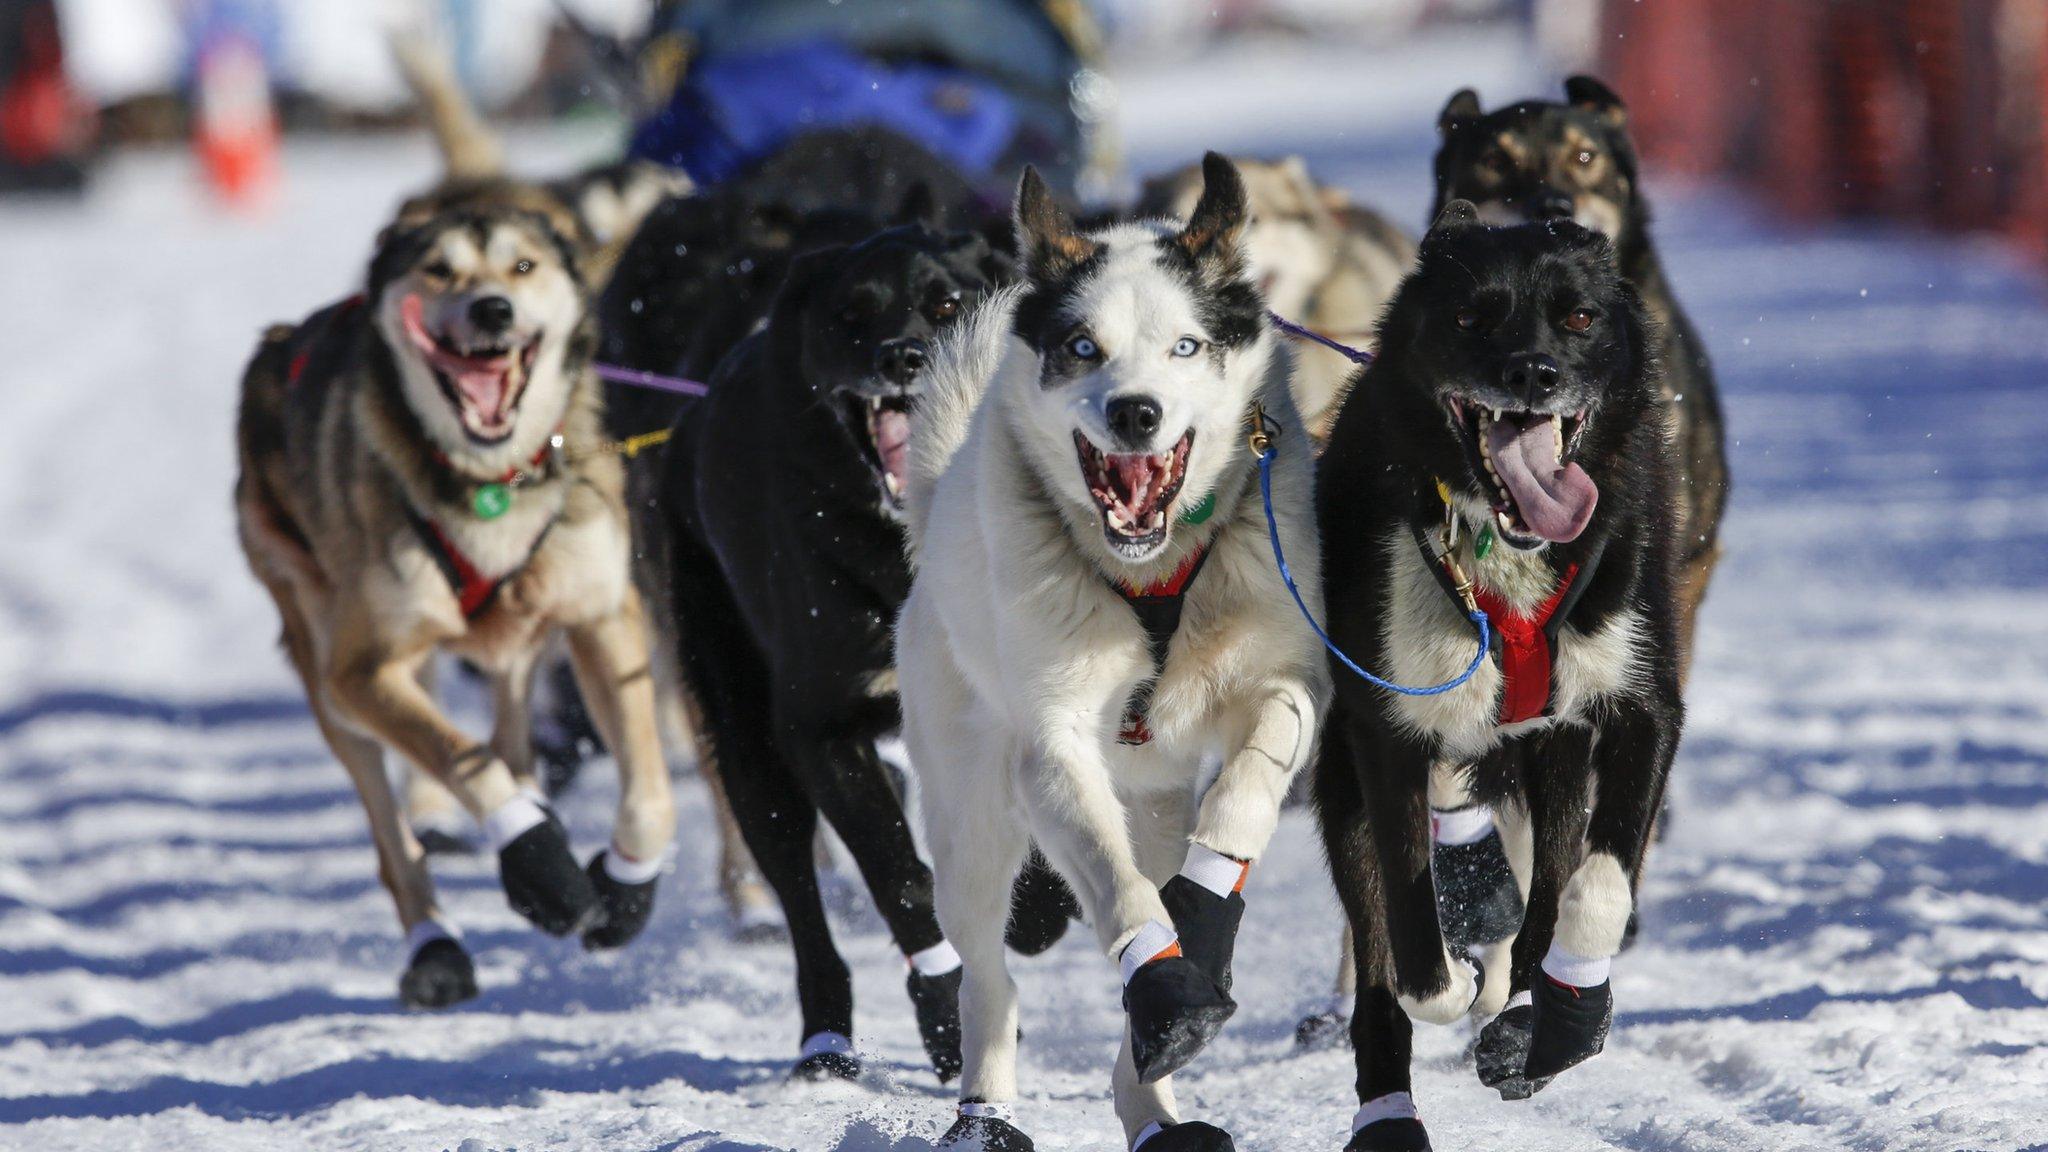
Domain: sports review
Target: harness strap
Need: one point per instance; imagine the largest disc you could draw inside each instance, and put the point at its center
(474, 591)
(1157, 606)
(1525, 643)
(313, 333)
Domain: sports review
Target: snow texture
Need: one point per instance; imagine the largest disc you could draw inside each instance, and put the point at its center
(1843, 943)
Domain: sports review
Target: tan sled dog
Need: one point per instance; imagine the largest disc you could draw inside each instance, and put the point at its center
(1321, 261)
(423, 470)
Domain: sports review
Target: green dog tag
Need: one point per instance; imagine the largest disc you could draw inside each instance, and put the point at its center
(491, 501)
(1484, 544)
(1200, 512)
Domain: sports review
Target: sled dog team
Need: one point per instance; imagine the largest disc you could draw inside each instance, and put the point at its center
(1018, 494)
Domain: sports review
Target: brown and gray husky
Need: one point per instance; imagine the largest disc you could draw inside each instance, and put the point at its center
(423, 470)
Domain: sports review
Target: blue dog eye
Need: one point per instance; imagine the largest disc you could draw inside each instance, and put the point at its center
(1083, 348)
(1186, 346)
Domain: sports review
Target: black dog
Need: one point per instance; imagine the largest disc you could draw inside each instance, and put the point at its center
(782, 490)
(1539, 160)
(1513, 433)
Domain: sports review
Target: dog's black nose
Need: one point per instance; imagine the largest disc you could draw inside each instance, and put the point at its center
(1134, 419)
(1532, 376)
(1550, 204)
(899, 361)
(491, 313)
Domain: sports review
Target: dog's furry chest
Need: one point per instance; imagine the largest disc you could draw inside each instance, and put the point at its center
(1428, 640)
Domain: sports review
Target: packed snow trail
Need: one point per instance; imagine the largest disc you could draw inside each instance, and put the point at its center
(1845, 944)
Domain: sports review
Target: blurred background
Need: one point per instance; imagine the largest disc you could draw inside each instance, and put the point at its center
(1928, 111)
(1845, 929)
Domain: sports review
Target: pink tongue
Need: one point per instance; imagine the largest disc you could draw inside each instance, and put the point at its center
(1556, 502)
(482, 380)
(1133, 474)
(892, 444)
(483, 387)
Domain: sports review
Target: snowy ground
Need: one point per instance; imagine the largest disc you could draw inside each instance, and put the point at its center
(1845, 943)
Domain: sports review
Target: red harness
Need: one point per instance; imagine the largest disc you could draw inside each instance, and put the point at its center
(1157, 606)
(1527, 649)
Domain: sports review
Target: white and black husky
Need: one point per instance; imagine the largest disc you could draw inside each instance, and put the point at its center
(1098, 653)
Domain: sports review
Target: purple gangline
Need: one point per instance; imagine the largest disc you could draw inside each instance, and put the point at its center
(1293, 329)
(618, 374)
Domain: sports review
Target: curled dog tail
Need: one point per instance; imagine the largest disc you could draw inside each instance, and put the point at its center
(962, 363)
(469, 149)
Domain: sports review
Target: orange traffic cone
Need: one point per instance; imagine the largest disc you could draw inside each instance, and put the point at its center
(236, 123)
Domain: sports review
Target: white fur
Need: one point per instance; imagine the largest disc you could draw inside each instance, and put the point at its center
(1017, 658)
(1429, 641)
(1592, 915)
(1452, 1002)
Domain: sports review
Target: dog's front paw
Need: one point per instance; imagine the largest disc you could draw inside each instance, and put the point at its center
(627, 904)
(1190, 1136)
(1175, 1009)
(984, 1134)
(936, 1000)
(1503, 1052)
(1452, 1002)
(1207, 926)
(1318, 1031)
(543, 883)
(1394, 1134)
(1570, 1026)
(826, 1056)
(1477, 899)
(439, 976)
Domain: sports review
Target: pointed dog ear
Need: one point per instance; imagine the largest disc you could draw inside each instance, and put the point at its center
(1591, 95)
(1045, 233)
(1457, 215)
(1218, 220)
(1462, 109)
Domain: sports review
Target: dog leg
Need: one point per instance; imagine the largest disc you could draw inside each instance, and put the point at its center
(1381, 1034)
(977, 848)
(1554, 777)
(610, 656)
(1574, 1002)
(1174, 1008)
(379, 691)
(512, 720)
(438, 971)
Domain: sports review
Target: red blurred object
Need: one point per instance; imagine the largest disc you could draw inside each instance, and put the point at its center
(45, 131)
(1928, 110)
(235, 122)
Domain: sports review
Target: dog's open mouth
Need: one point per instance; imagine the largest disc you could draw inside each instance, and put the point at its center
(1537, 489)
(1134, 491)
(484, 379)
(887, 447)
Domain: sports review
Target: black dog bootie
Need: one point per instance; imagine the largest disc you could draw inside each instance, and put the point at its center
(1570, 1025)
(1174, 1008)
(542, 881)
(1193, 1136)
(627, 906)
(1476, 896)
(439, 976)
(983, 1132)
(936, 999)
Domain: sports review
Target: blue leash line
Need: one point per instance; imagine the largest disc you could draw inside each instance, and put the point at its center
(1273, 532)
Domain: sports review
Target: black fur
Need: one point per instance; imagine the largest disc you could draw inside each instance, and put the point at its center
(1376, 480)
(1539, 157)
(787, 573)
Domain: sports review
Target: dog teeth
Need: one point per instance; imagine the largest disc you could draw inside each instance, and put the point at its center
(1158, 519)
(1117, 521)
(894, 485)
